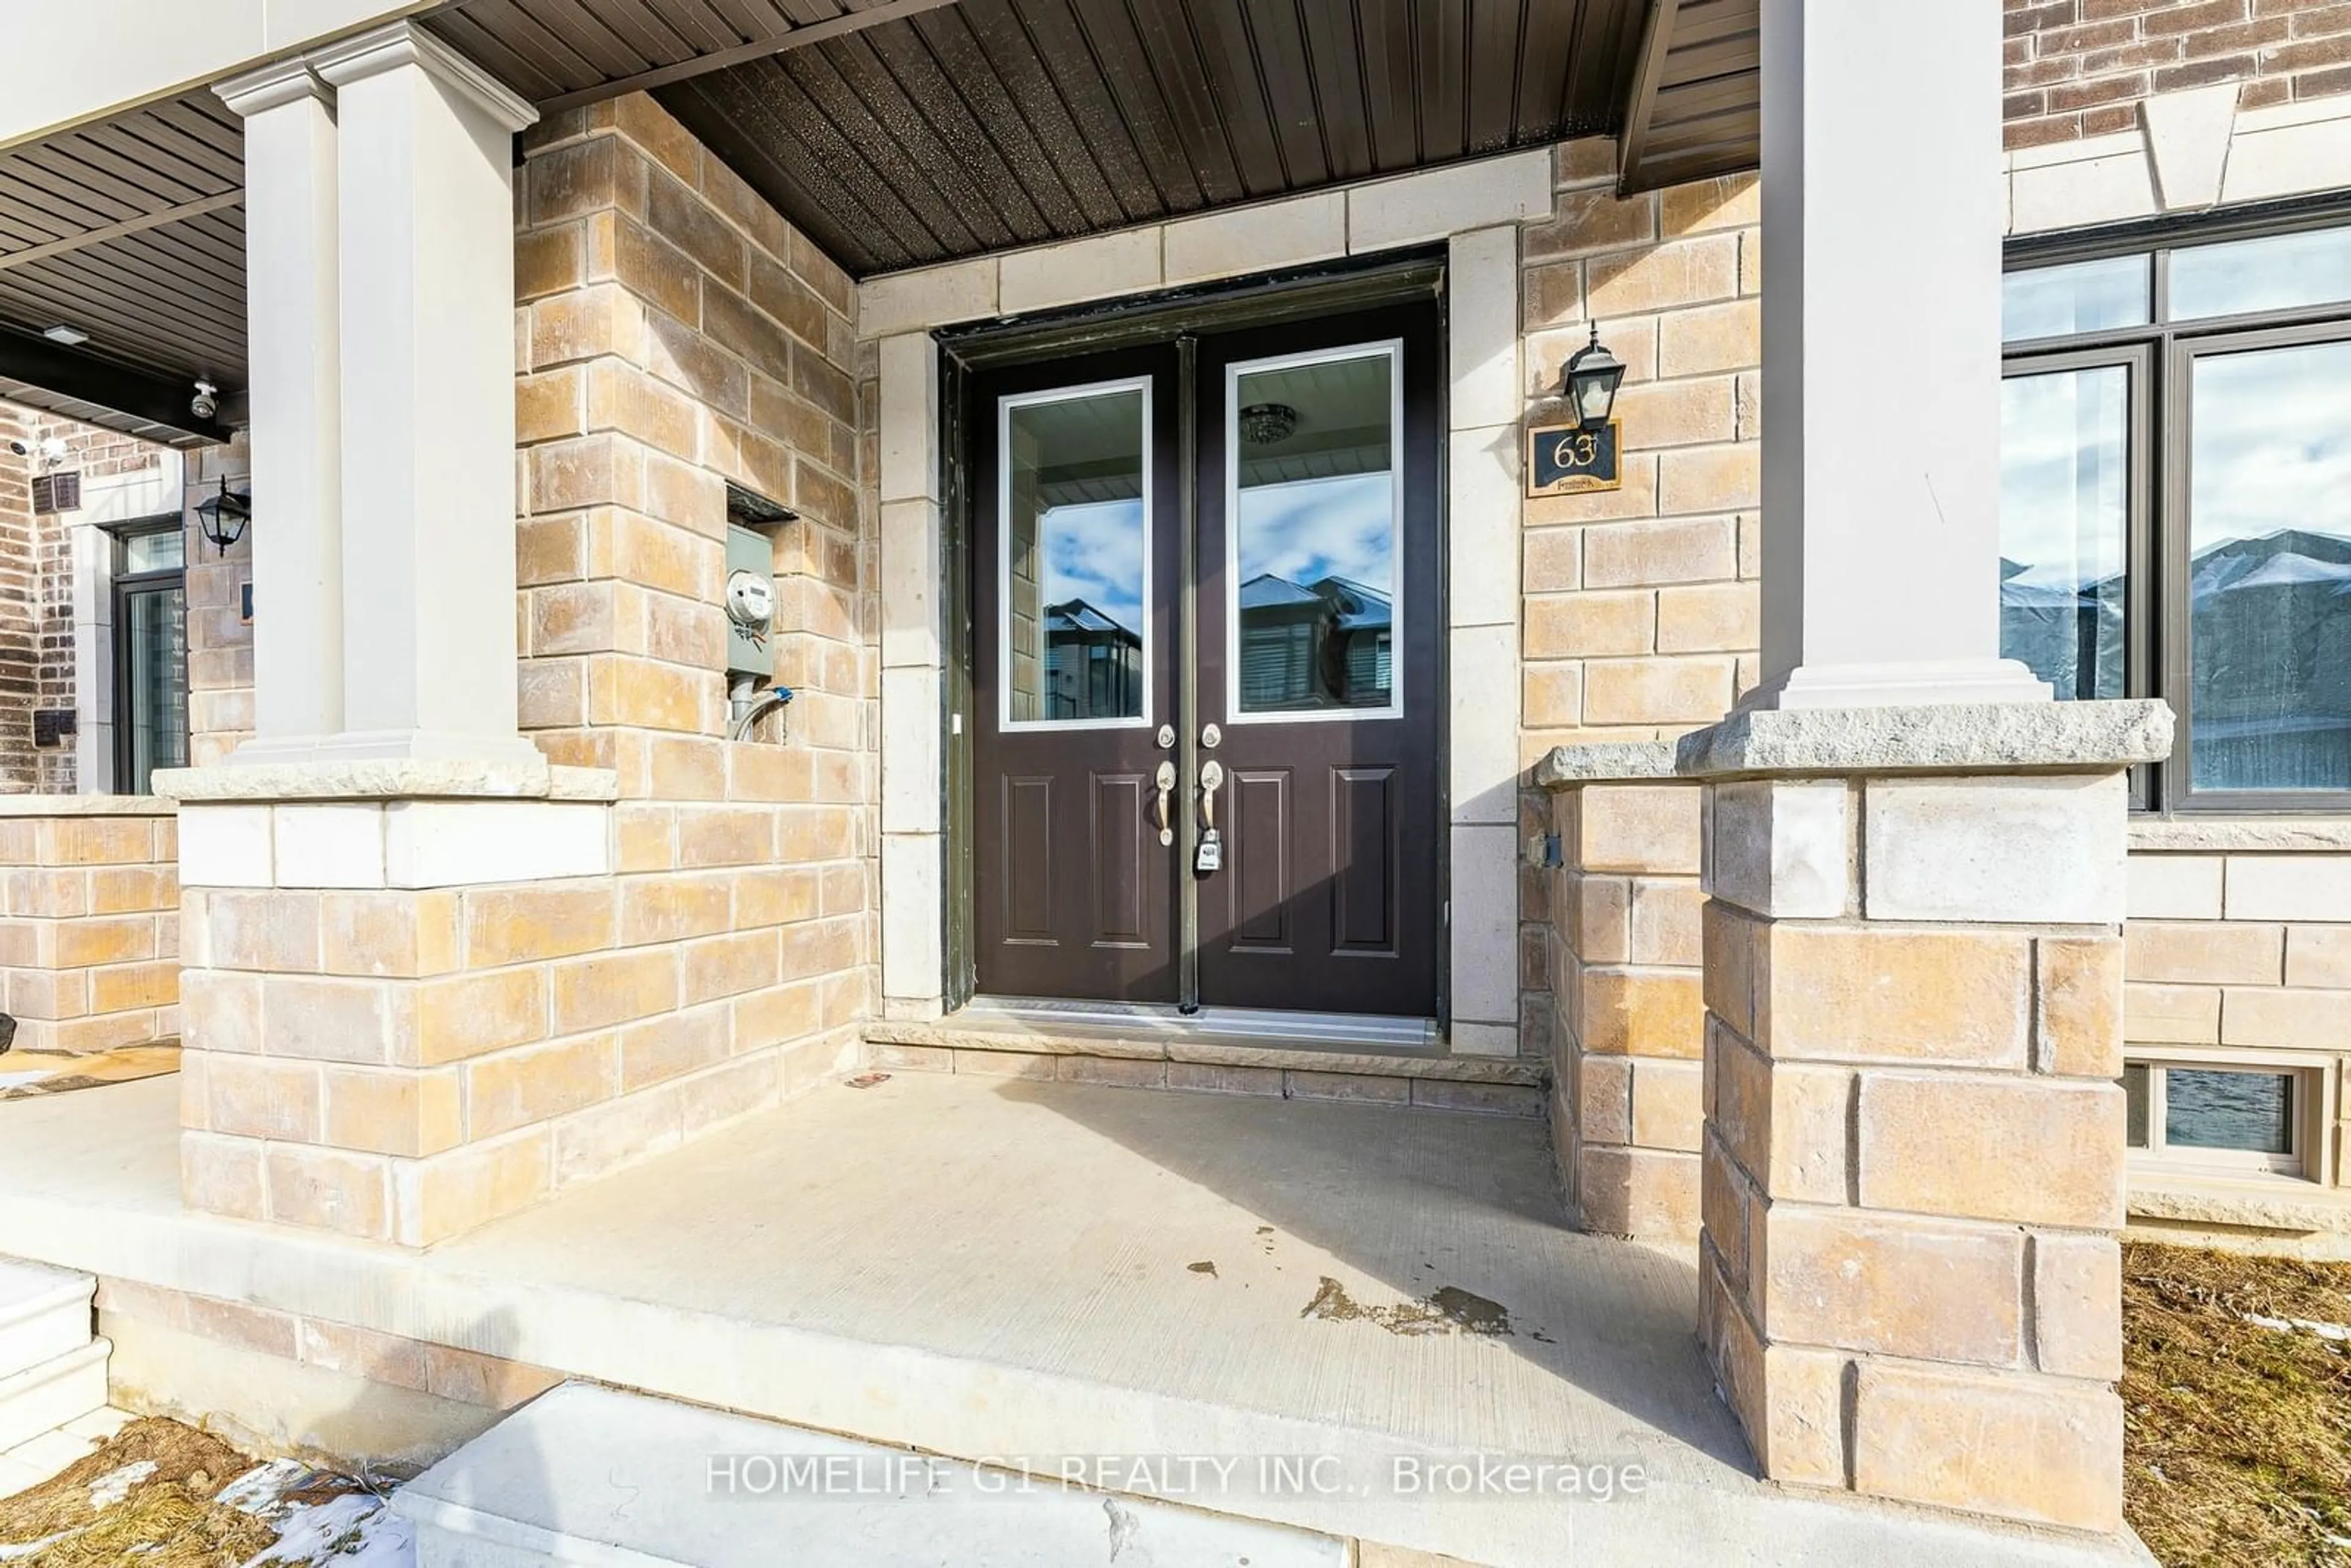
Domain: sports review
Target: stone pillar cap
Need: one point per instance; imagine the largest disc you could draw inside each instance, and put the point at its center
(1942, 738)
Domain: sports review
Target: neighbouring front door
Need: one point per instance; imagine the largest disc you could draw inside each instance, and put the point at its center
(1206, 759)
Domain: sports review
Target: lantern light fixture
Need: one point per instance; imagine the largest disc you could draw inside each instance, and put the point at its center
(1590, 382)
(221, 518)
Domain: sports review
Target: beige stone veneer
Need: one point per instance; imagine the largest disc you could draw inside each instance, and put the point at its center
(89, 922)
(1912, 1165)
(422, 998)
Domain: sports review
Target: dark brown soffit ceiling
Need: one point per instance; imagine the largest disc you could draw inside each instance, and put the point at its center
(991, 124)
(1695, 107)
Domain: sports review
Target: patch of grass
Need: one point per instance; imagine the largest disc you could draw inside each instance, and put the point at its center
(166, 1520)
(2236, 1438)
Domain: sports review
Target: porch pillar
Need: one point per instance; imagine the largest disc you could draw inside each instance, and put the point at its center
(426, 273)
(1913, 1153)
(1881, 357)
(295, 332)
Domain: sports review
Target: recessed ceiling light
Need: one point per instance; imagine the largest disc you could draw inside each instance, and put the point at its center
(69, 336)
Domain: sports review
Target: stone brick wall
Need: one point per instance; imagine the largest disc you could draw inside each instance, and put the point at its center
(1627, 1030)
(220, 639)
(20, 606)
(1912, 1165)
(1639, 620)
(40, 636)
(2079, 67)
(674, 333)
(401, 1050)
(2239, 954)
(89, 922)
(443, 1011)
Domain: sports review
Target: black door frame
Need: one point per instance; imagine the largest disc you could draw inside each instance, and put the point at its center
(123, 585)
(1400, 277)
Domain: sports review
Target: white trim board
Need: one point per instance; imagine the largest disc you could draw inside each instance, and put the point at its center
(2190, 150)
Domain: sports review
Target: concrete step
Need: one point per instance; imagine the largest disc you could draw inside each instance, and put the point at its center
(63, 1388)
(43, 1313)
(590, 1475)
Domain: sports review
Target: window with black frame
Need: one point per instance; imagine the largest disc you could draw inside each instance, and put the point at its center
(151, 652)
(2175, 502)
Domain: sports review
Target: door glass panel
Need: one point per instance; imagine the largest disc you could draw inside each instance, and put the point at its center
(2269, 569)
(1075, 639)
(2275, 272)
(154, 683)
(1314, 502)
(2064, 516)
(2080, 297)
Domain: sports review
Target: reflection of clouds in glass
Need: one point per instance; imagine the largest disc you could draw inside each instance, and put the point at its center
(1308, 529)
(2064, 475)
(1094, 553)
(2273, 444)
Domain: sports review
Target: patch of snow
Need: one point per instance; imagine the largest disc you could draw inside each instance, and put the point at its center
(356, 1530)
(2338, 1332)
(264, 1487)
(27, 1548)
(115, 1484)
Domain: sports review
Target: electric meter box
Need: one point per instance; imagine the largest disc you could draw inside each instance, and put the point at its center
(751, 601)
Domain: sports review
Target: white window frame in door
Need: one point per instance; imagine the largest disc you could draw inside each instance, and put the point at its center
(1393, 348)
(1002, 630)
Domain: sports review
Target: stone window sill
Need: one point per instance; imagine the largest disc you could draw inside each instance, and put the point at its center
(2252, 1202)
(2241, 834)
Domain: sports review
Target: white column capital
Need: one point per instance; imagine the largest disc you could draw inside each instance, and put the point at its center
(272, 87)
(404, 43)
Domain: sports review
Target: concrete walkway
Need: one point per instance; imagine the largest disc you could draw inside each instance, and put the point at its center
(1042, 1273)
(31, 1463)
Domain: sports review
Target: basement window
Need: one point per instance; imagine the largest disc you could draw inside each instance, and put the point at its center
(2197, 1115)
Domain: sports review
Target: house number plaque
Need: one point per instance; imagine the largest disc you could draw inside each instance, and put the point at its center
(1568, 460)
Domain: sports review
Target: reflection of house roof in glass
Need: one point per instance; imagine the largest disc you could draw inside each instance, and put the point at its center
(1360, 608)
(2287, 559)
(1075, 616)
(2287, 569)
(1355, 607)
(1266, 591)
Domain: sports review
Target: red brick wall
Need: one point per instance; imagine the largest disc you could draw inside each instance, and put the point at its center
(36, 587)
(2078, 67)
(19, 605)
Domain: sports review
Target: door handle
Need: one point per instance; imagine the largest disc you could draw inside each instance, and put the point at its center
(1210, 856)
(1166, 783)
(1212, 777)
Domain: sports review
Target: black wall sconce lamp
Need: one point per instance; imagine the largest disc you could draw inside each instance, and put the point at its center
(221, 518)
(1590, 382)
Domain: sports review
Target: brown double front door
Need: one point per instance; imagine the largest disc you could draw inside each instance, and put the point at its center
(1205, 608)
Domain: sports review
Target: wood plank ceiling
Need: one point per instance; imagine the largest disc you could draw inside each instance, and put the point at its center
(993, 123)
(133, 232)
(1696, 104)
(896, 134)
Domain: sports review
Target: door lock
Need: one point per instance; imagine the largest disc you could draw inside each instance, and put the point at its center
(1210, 734)
(1166, 782)
(1211, 855)
(1167, 738)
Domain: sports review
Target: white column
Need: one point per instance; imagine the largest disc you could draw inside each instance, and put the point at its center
(294, 384)
(1881, 241)
(427, 395)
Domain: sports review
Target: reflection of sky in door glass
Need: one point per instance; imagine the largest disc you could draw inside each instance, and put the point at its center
(1094, 551)
(1308, 529)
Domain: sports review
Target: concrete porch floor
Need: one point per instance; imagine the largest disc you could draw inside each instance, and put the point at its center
(989, 1268)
